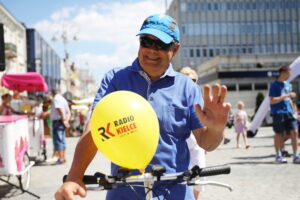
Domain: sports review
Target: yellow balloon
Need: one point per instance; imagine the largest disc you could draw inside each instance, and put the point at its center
(125, 129)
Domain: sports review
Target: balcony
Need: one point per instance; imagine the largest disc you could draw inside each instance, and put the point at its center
(10, 50)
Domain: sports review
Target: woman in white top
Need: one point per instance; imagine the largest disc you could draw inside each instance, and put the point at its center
(197, 154)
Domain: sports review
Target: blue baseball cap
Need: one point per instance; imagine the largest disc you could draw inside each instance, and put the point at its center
(161, 26)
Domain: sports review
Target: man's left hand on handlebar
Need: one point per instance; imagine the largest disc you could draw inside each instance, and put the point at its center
(69, 189)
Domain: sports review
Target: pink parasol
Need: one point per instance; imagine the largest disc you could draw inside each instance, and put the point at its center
(30, 81)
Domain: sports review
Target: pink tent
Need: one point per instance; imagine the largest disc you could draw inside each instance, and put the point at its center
(30, 81)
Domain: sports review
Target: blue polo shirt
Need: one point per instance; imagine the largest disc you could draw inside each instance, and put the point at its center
(173, 97)
(278, 89)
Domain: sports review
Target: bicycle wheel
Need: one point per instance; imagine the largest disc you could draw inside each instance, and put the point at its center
(24, 179)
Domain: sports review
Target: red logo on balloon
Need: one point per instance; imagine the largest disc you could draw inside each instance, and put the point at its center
(123, 126)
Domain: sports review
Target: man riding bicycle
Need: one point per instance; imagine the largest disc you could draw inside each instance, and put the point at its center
(177, 101)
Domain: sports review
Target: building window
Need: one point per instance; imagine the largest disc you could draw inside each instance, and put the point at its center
(198, 52)
(183, 29)
(184, 53)
(191, 53)
(231, 87)
(260, 86)
(209, 6)
(204, 53)
(245, 86)
(211, 52)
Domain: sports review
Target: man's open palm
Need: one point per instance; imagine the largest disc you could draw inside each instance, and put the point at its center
(215, 111)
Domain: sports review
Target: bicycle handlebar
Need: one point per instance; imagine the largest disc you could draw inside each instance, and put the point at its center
(214, 170)
(189, 177)
(107, 180)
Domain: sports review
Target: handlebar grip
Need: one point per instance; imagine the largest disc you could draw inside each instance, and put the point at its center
(215, 170)
(87, 179)
(64, 178)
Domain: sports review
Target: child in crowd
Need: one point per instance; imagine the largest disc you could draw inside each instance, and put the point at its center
(240, 125)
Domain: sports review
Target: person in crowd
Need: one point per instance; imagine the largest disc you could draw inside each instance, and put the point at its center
(5, 108)
(45, 115)
(197, 154)
(152, 76)
(17, 101)
(240, 125)
(287, 134)
(60, 116)
(298, 118)
(80, 127)
(280, 95)
(87, 118)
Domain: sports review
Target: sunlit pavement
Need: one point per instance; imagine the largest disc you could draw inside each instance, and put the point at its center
(254, 175)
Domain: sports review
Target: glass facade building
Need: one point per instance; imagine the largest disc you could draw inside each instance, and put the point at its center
(230, 27)
(43, 59)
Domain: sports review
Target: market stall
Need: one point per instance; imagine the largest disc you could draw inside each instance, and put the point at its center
(30, 82)
(14, 146)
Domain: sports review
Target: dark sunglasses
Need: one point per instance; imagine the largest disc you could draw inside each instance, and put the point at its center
(158, 45)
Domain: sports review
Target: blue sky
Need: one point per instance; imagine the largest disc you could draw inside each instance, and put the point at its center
(106, 29)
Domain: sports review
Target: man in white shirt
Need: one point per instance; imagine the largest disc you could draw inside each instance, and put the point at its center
(60, 116)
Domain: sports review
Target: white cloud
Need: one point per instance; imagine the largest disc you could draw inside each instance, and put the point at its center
(99, 64)
(63, 13)
(113, 22)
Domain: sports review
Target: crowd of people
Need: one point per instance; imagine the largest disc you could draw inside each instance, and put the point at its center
(54, 110)
(285, 115)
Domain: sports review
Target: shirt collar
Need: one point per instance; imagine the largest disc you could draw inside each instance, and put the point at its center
(137, 68)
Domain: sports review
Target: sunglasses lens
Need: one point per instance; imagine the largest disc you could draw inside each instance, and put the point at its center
(146, 42)
(159, 45)
(162, 46)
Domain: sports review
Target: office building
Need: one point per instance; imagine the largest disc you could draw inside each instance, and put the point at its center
(43, 59)
(229, 27)
(239, 36)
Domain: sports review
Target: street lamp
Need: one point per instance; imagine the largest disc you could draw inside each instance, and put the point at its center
(66, 38)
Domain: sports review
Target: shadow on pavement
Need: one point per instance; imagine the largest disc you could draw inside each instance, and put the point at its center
(252, 163)
(254, 157)
(251, 147)
(8, 191)
(250, 160)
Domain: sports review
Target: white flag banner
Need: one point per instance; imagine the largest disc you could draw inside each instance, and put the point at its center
(265, 105)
